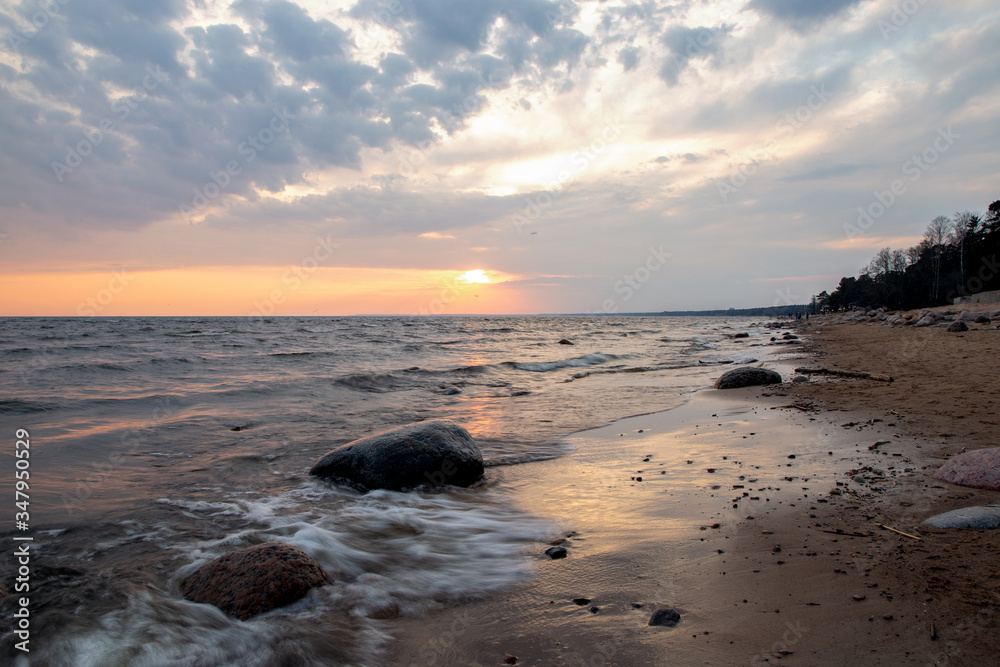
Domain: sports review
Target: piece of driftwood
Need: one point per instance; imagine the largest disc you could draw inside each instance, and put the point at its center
(847, 374)
(833, 532)
(899, 532)
(808, 407)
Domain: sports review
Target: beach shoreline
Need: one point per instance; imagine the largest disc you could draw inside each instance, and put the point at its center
(811, 578)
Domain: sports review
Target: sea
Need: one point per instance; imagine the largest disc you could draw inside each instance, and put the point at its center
(158, 444)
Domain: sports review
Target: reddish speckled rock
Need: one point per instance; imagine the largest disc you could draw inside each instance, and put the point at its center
(254, 580)
(979, 469)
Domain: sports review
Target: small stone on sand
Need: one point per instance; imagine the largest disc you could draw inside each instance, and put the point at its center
(666, 617)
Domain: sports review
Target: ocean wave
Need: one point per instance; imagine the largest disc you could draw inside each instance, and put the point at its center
(301, 354)
(170, 360)
(545, 366)
(473, 370)
(195, 333)
(408, 548)
(16, 406)
(376, 383)
(386, 552)
(99, 366)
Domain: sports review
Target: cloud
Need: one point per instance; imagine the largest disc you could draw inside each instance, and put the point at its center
(802, 13)
(629, 57)
(443, 101)
(687, 44)
(438, 31)
(299, 37)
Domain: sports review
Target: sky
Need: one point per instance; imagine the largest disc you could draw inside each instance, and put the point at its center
(270, 157)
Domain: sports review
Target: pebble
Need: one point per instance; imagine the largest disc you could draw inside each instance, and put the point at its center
(556, 552)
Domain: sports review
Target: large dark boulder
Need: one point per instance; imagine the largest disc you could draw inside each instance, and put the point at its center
(958, 325)
(747, 377)
(435, 453)
(250, 581)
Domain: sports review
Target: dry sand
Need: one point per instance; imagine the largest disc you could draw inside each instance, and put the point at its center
(840, 591)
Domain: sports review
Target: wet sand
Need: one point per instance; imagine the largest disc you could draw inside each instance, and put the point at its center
(840, 591)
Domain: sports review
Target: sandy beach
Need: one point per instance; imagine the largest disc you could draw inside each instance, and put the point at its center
(758, 518)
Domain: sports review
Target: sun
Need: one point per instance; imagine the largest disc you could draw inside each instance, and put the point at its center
(476, 276)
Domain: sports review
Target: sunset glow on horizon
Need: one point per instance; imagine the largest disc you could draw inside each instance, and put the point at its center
(476, 276)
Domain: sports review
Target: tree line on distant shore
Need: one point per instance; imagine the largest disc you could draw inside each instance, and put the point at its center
(957, 257)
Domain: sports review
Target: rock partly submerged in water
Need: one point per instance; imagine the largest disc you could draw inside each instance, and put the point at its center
(747, 377)
(979, 469)
(982, 517)
(435, 453)
(251, 581)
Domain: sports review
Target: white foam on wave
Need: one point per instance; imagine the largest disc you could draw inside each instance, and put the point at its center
(408, 552)
(542, 366)
(157, 631)
(132, 532)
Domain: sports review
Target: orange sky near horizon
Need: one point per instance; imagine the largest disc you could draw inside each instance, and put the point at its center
(259, 291)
